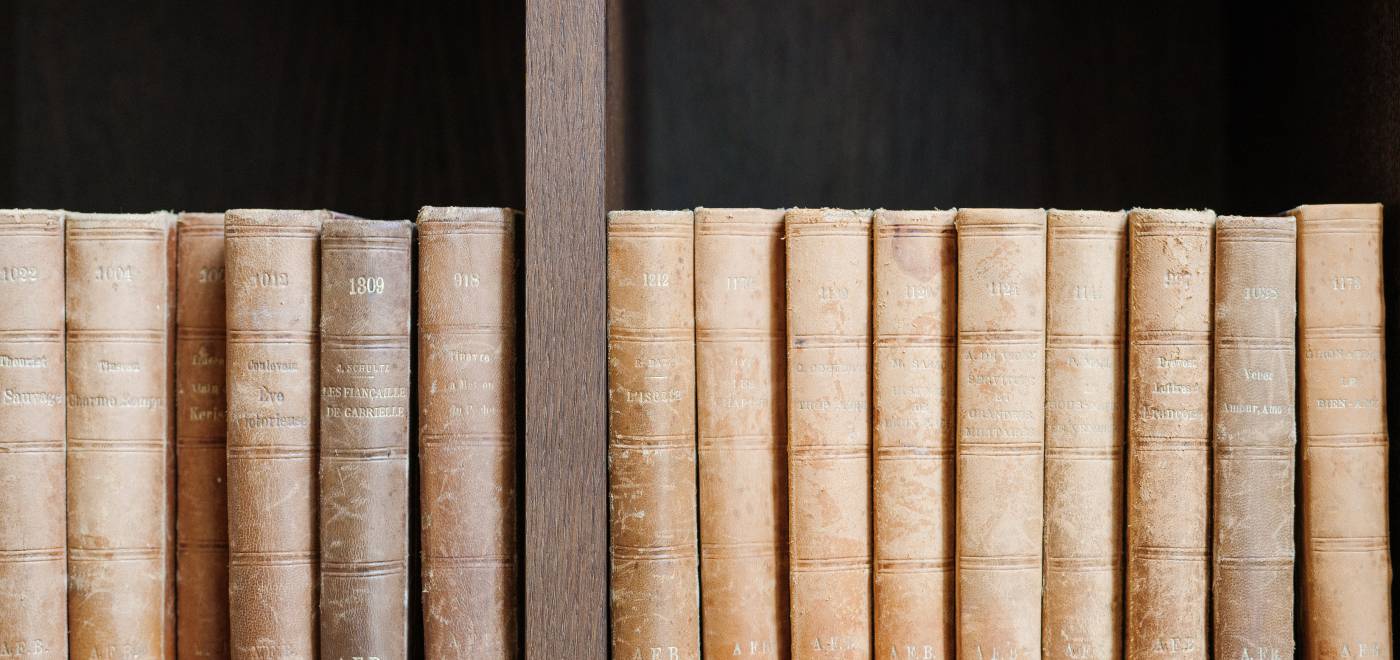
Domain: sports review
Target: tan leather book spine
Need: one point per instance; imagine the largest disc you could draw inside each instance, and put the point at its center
(651, 435)
(915, 325)
(33, 549)
(1254, 437)
(366, 309)
(272, 288)
(1346, 507)
(828, 308)
(200, 428)
(1169, 369)
(467, 435)
(118, 366)
(740, 365)
(1001, 431)
(1086, 286)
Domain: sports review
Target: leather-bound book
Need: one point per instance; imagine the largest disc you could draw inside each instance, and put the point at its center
(1001, 431)
(655, 589)
(201, 508)
(366, 305)
(118, 363)
(1168, 490)
(467, 443)
(272, 286)
(915, 325)
(828, 323)
(1254, 437)
(33, 569)
(1345, 536)
(1086, 282)
(741, 387)
(467, 448)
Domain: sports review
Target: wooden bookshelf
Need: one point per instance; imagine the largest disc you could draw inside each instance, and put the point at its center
(901, 104)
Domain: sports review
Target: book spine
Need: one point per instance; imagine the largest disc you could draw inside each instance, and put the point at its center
(33, 559)
(118, 364)
(828, 307)
(740, 386)
(467, 441)
(1346, 540)
(1086, 275)
(651, 444)
(366, 309)
(272, 291)
(1168, 490)
(1255, 437)
(1001, 431)
(915, 326)
(201, 502)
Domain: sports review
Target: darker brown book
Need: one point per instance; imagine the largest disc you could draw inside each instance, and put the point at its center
(1001, 431)
(366, 304)
(202, 505)
(828, 307)
(740, 366)
(1254, 437)
(467, 438)
(651, 435)
(33, 566)
(272, 283)
(118, 364)
(1168, 490)
(1345, 478)
(1086, 279)
(915, 325)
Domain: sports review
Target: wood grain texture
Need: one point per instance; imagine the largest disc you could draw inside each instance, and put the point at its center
(565, 430)
(368, 108)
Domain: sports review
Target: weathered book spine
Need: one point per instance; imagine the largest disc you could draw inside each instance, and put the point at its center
(1255, 437)
(33, 558)
(1168, 491)
(118, 363)
(741, 387)
(828, 307)
(1001, 431)
(272, 288)
(651, 444)
(200, 429)
(1086, 276)
(1346, 539)
(366, 308)
(915, 323)
(467, 439)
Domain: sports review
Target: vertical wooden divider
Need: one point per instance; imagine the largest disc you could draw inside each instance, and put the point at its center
(572, 179)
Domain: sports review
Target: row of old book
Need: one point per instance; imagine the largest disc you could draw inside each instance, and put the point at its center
(204, 434)
(997, 434)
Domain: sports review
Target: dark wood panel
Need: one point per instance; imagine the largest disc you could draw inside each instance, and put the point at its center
(913, 104)
(370, 108)
(565, 314)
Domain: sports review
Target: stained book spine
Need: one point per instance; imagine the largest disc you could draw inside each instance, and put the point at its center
(740, 378)
(467, 439)
(1086, 275)
(915, 325)
(1001, 431)
(828, 307)
(651, 444)
(33, 567)
(118, 365)
(202, 506)
(1255, 437)
(1168, 491)
(366, 304)
(272, 307)
(1346, 541)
